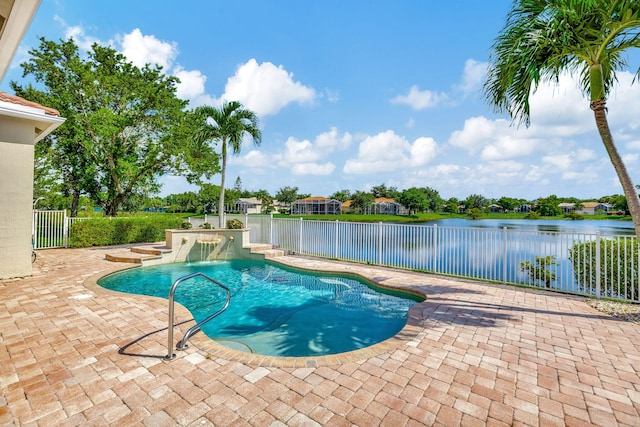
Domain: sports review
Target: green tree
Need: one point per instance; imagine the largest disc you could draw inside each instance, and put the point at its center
(119, 118)
(475, 201)
(413, 199)
(434, 201)
(618, 201)
(382, 191)
(208, 195)
(237, 186)
(287, 195)
(508, 203)
(228, 124)
(544, 38)
(341, 196)
(548, 206)
(265, 198)
(451, 205)
(183, 202)
(361, 201)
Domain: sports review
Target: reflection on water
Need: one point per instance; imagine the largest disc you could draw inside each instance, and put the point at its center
(605, 226)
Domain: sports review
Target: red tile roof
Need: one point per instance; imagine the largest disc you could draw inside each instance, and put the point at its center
(5, 97)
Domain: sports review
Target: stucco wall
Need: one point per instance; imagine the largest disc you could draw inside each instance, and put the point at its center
(16, 190)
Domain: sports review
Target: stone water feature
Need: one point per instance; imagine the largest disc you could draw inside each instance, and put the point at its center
(208, 245)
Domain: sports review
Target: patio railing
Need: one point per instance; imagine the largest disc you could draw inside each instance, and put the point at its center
(604, 266)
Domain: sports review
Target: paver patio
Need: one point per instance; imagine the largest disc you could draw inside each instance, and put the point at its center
(72, 353)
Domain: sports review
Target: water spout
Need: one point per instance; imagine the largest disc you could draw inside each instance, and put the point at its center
(207, 246)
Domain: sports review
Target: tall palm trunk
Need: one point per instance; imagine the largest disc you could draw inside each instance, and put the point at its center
(599, 111)
(222, 173)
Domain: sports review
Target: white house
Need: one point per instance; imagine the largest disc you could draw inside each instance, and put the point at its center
(22, 124)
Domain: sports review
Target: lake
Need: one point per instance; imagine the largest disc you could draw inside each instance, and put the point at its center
(605, 226)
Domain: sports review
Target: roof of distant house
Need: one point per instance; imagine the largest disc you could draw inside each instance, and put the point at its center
(384, 200)
(5, 97)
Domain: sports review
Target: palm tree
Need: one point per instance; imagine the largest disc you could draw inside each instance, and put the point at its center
(544, 38)
(227, 124)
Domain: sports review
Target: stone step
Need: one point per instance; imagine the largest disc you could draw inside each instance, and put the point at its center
(128, 256)
(272, 253)
(156, 249)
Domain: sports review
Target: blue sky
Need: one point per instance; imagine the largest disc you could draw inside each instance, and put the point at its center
(354, 94)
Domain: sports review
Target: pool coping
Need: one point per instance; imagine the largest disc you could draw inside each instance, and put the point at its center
(408, 334)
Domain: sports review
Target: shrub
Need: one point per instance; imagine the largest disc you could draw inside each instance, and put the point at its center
(574, 215)
(206, 226)
(618, 267)
(234, 224)
(186, 225)
(532, 215)
(475, 213)
(114, 231)
(540, 269)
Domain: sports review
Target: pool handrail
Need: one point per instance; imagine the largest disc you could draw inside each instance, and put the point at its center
(182, 344)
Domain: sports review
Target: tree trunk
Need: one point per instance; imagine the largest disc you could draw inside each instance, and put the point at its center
(75, 200)
(600, 114)
(221, 200)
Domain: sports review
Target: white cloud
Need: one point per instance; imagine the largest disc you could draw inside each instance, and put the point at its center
(473, 76)
(300, 151)
(305, 151)
(387, 151)
(147, 49)
(265, 88)
(423, 151)
(331, 141)
(494, 139)
(191, 83)
(420, 99)
(313, 168)
(77, 32)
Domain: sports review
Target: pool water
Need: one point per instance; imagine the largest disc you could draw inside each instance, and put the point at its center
(274, 310)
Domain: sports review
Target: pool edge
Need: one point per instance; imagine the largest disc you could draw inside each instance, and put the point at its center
(213, 350)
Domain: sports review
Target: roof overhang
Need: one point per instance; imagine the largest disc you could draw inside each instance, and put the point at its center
(15, 18)
(43, 123)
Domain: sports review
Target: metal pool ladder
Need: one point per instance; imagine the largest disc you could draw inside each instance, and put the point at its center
(182, 344)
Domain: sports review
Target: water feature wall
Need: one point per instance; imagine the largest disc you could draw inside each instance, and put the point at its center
(207, 245)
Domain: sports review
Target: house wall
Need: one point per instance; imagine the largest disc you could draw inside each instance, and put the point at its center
(16, 190)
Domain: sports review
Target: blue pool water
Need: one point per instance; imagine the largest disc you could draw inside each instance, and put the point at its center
(274, 310)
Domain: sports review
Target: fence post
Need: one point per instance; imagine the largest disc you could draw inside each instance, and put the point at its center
(34, 229)
(337, 239)
(300, 238)
(435, 248)
(504, 260)
(598, 266)
(380, 243)
(271, 229)
(65, 232)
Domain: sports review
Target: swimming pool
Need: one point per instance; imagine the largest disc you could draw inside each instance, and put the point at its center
(275, 310)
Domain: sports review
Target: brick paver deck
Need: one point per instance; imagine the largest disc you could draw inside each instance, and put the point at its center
(74, 354)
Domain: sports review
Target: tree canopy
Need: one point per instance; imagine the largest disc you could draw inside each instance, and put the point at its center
(118, 135)
(227, 125)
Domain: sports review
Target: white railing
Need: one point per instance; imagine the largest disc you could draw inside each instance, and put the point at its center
(50, 229)
(604, 266)
(579, 263)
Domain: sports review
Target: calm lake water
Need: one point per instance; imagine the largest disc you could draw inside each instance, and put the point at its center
(605, 226)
